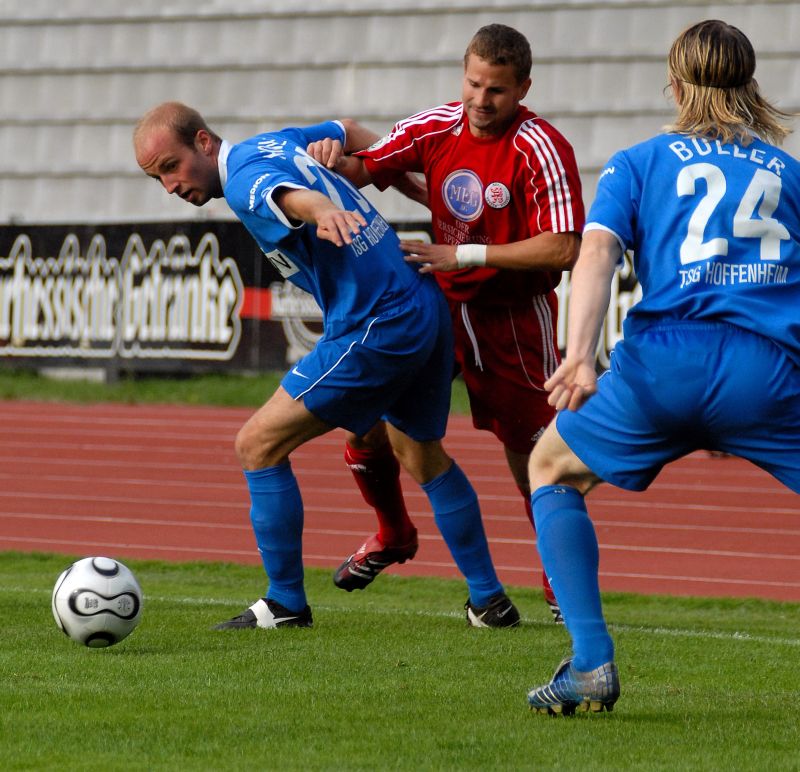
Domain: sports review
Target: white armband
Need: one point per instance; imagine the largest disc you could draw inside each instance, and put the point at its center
(468, 255)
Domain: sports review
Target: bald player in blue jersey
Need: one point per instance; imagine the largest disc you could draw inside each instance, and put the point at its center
(385, 353)
(711, 353)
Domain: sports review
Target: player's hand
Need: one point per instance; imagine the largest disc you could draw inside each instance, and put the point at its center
(571, 384)
(328, 152)
(433, 257)
(338, 226)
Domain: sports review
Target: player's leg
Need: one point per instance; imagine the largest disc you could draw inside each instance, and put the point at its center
(568, 545)
(263, 446)
(502, 355)
(648, 410)
(457, 514)
(352, 381)
(518, 464)
(377, 474)
(569, 552)
(416, 422)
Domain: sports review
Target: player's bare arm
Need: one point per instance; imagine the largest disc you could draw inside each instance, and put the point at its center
(334, 155)
(544, 252)
(333, 224)
(575, 380)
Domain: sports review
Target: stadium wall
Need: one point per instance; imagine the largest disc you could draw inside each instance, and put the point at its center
(77, 75)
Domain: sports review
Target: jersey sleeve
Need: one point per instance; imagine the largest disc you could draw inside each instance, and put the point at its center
(403, 148)
(613, 206)
(555, 182)
(390, 158)
(307, 134)
(252, 190)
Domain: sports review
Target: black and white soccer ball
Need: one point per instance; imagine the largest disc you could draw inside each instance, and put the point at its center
(97, 602)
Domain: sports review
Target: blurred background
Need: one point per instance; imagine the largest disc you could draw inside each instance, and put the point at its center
(99, 267)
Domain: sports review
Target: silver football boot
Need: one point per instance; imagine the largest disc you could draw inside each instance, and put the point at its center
(571, 690)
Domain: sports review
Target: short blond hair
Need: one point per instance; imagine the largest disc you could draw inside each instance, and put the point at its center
(714, 64)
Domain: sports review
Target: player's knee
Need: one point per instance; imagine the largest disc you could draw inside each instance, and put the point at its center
(242, 447)
(424, 461)
(552, 462)
(251, 450)
(542, 470)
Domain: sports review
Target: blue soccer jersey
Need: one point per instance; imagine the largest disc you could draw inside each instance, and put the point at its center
(349, 283)
(715, 231)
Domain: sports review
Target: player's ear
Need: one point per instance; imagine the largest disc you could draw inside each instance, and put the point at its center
(524, 87)
(203, 142)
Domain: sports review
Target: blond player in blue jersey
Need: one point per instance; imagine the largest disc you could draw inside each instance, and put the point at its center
(711, 355)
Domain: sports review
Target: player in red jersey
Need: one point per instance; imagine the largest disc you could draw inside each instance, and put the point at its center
(505, 199)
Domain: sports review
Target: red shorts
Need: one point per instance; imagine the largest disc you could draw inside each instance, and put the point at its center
(505, 355)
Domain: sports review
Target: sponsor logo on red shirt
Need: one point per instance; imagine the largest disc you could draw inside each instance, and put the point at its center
(462, 193)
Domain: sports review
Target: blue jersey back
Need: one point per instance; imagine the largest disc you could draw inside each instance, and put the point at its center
(715, 231)
(349, 283)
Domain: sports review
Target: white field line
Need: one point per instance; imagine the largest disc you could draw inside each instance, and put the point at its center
(737, 637)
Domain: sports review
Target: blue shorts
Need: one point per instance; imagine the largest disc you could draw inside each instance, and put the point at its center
(397, 366)
(684, 386)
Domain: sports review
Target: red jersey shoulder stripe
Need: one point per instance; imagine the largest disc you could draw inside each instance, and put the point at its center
(405, 133)
(532, 137)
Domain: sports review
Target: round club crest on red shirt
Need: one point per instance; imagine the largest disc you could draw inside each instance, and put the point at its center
(497, 195)
(461, 193)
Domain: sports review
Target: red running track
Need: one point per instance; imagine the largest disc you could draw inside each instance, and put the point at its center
(163, 482)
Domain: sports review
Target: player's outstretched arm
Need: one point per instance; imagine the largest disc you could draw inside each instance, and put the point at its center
(575, 380)
(333, 224)
(334, 155)
(544, 252)
(330, 153)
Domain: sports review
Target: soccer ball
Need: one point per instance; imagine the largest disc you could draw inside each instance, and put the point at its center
(97, 602)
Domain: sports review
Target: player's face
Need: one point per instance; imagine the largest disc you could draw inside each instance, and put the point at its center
(491, 95)
(189, 172)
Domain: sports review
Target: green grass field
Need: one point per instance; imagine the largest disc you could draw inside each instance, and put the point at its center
(221, 390)
(390, 678)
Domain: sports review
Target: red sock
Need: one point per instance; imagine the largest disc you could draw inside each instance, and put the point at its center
(549, 595)
(377, 474)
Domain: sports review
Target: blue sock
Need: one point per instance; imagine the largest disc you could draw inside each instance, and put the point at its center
(458, 517)
(568, 549)
(276, 513)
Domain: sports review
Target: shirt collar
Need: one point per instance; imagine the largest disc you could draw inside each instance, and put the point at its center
(222, 161)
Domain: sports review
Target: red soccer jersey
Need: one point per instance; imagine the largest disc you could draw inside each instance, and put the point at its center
(496, 190)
